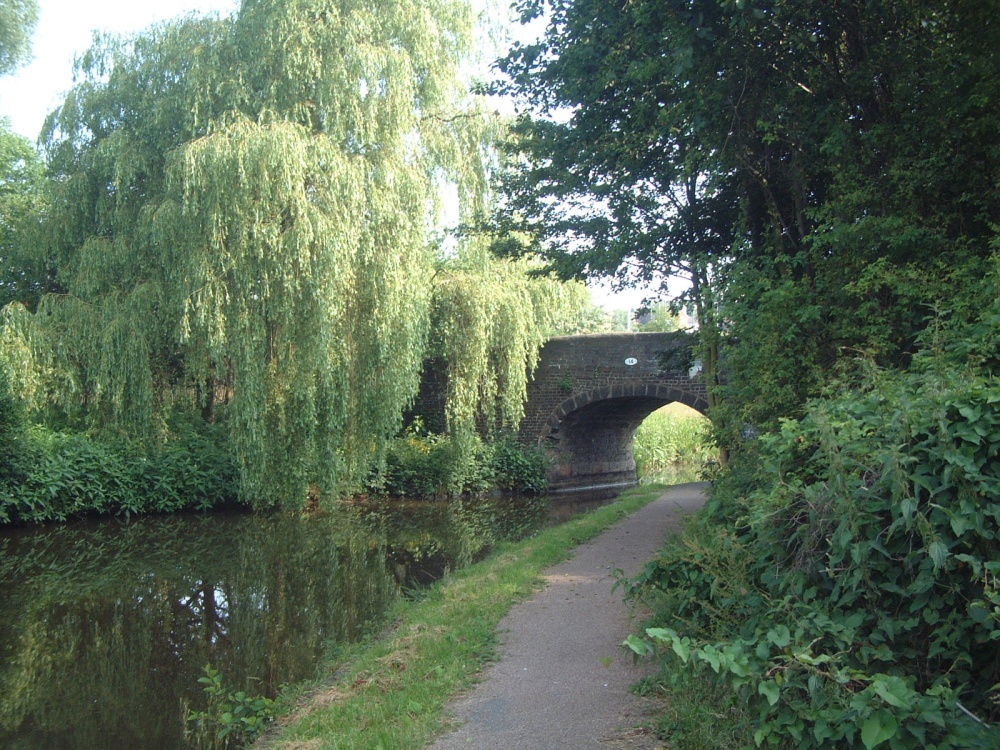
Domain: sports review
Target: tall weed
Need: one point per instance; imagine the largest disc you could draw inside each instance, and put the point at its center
(669, 438)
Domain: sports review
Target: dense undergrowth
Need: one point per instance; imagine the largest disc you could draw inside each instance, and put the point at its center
(840, 590)
(48, 475)
(428, 465)
(61, 475)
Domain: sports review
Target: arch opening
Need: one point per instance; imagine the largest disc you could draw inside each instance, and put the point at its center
(671, 445)
(592, 446)
(589, 436)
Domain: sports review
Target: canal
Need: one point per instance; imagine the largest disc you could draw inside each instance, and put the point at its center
(106, 627)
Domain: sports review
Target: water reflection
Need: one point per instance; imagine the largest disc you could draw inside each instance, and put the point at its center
(106, 627)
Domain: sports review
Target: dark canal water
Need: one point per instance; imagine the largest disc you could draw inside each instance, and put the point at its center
(105, 627)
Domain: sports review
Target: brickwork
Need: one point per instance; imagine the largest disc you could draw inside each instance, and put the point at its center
(590, 393)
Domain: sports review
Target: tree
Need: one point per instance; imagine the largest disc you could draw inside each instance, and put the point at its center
(17, 24)
(611, 191)
(241, 215)
(490, 318)
(658, 317)
(822, 170)
(21, 206)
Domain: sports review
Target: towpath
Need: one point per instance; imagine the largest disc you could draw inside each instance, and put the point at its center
(562, 679)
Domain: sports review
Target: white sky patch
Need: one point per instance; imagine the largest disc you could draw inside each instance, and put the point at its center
(65, 31)
(630, 299)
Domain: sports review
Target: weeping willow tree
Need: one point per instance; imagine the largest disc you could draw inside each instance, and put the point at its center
(240, 224)
(490, 318)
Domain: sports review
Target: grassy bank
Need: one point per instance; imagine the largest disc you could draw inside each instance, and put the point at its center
(391, 692)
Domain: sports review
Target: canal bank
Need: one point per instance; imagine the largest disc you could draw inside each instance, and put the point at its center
(397, 692)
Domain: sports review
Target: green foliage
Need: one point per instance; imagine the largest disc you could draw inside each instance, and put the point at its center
(516, 467)
(190, 472)
(232, 719)
(12, 429)
(826, 175)
(701, 714)
(658, 318)
(22, 204)
(668, 437)
(447, 465)
(243, 212)
(850, 598)
(432, 466)
(489, 319)
(17, 24)
(823, 172)
(67, 475)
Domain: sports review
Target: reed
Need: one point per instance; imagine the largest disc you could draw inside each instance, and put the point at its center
(672, 445)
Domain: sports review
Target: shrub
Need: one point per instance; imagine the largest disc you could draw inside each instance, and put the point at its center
(69, 475)
(13, 459)
(851, 600)
(432, 466)
(446, 465)
(232, 719)
(516, 467)
(189, 473)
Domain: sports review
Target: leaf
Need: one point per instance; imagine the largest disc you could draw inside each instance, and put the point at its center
(894, 691)
(770, 690)
(638, 646)
(938, 552)
(779, 635)
(711, 656)
(878, 728)
(682, 648)
(972, 413)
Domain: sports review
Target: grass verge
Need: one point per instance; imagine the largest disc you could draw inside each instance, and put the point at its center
(391, 693)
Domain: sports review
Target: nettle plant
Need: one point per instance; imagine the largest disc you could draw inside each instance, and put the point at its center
(853, 601)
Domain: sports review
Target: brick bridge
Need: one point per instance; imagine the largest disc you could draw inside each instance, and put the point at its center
(590, 393)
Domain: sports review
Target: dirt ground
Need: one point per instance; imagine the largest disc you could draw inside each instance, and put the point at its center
(563, 679)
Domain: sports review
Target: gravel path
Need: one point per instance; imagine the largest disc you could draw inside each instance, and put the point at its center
(562, 680)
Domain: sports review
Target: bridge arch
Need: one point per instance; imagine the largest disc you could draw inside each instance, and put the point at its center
(632, 395)
(590, 393)
(589, 437)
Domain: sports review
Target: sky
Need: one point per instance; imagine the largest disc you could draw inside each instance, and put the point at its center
(65, 29)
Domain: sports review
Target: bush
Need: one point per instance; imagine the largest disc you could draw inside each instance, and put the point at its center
(12, 428)
(432, 466)
(444, 465)
(851, 601)
(12, 447)
(189, 473)
(516, 467)
(69, 475)
(232, 719)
